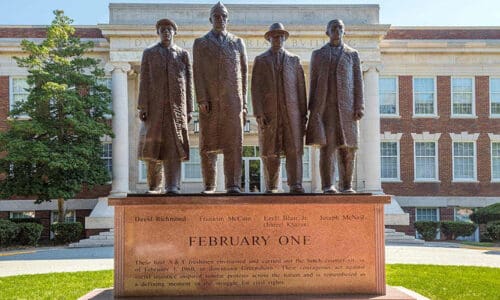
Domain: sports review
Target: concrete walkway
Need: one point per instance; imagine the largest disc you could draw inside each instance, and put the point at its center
(62, 259)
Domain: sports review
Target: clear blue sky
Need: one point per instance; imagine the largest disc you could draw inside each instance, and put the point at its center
(395, 12)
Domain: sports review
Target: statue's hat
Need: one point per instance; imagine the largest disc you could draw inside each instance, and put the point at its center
(218, 7)
(278, 28)
(166, 22)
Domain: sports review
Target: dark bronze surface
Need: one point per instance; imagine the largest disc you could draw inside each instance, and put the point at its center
(335, 107)
(280, 107)
(165, 108)
(220, 75)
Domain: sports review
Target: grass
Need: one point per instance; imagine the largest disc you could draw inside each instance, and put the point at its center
(478, 244)
(54, 285)
(434, 282)
(446, 282)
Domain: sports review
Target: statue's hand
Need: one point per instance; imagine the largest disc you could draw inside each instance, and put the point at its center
(204, 108)
(358, 114)
(189, 117)
(143, 115)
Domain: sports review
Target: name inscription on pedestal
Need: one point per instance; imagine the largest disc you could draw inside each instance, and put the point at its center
(249, 249)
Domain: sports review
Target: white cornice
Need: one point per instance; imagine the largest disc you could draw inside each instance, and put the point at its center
(388, 136)
(426, 136)
(494, 137)
(464, 136)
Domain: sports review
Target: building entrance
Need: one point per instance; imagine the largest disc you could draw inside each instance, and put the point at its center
(251, 179)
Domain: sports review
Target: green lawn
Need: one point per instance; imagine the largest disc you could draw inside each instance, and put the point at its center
(435, 282)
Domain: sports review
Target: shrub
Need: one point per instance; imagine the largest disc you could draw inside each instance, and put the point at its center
(29, 233)
(493, 229)
(428, 229)
(486, 214)
(452, 229)
(26, 220)
(8, 232)
(67, 232)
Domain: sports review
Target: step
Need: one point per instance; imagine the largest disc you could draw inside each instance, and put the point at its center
(103, 239)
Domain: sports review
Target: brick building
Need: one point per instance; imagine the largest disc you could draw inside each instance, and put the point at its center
(430, 137)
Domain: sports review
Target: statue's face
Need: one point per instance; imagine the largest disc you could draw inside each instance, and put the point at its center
(336, 34)
(166, 33)
(277, 40)
(219, 20)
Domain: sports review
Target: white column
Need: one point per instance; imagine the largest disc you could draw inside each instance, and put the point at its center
(368, 163)
(119, 92)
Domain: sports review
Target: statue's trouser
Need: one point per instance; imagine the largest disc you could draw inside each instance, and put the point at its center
(232, 167)
(172, 170)
(345, 158)
(293, 170)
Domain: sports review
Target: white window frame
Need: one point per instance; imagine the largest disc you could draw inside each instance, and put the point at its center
(398, 179)
(11, 95)
(53, 217)
(492, 115)
(396, 114)
(110, 79)
(464, 116)
(494, 138)
(435, 114)
(183, 170)
(110, 158)
(436, 160)
(474, 179)
(26, 212)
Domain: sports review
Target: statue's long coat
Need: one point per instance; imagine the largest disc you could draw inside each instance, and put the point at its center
(155, 94)
(265, 101)
(349, 96)
(220, 77)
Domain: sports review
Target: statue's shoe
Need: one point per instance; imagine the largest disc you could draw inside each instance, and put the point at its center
(330, 190)
(209, 190)
(172, 190)
(348, 191)
(233, 190)
(297, 189)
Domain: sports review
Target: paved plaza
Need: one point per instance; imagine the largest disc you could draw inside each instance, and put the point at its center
(62, 259)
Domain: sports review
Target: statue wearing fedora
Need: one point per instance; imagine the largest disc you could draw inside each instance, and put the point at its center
(335, 105)
(280, 107)
(220, 75)
(165, 108)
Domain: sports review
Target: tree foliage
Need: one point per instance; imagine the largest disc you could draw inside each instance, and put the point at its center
(56, 150)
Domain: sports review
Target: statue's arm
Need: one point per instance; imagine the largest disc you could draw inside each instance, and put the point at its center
(144, 87)
(359, 104)
(313, 81)
(256, 88)
(244, 74)
(199, 78)
(301, 90)
(189, 84)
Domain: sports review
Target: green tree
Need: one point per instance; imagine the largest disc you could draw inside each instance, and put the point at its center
(56, 150)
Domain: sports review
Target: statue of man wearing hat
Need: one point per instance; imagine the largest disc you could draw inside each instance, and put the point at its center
(280, 107)
(165, 108)
(220, 76)
(335, 105)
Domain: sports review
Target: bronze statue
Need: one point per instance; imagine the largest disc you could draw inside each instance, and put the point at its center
(220, 75)
(336, 105)
(280, 107)
(165, 108)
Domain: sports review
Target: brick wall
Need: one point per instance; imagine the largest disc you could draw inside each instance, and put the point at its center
(444, 124)
(4, 102)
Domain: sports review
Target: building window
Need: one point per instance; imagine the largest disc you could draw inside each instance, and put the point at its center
(425, 161)
(22, 214)
(69, 218)
(142, 171)
(495, 161)
(107, 157)
(464, 161)
(18, 92)
(389, 154)
(306, 165)
(388, 96)
(424, 97)
(108, 83)
(495, 97)
(462, 97)
(191, 170)
(427, 214)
